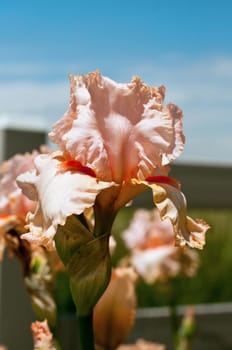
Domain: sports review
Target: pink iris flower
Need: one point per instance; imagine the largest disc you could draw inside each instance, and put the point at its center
(12, 200)
(151, 248)
(115, 141)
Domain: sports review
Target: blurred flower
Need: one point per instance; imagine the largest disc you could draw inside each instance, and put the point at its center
(42, 336)
(115, 312)
(12, 202)
(38, 267)
(2, 347)
(14, 206)
(116, 141)
(152, 251)
(142, 345)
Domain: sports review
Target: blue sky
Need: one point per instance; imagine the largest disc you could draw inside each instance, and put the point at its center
(185, 45)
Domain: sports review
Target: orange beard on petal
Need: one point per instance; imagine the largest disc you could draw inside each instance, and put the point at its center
(75, 165)
(164, 179)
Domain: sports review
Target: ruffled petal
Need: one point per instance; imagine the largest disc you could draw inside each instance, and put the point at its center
(147, 231)
(152, 251)
(149, 263)
(121, 131)
(171, 204)
(60, 194)
(42, 336)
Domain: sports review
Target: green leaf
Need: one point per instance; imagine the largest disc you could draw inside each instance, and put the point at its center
(87, 260)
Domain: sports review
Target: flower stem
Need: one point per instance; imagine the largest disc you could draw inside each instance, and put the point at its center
(86, 332)
(174, 325)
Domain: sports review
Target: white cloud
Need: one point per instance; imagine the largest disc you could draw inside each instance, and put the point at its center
(44, 100)
(188, 81)
(203, 89)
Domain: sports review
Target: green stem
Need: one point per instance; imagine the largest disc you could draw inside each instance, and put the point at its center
(174, 325)
(86, 332)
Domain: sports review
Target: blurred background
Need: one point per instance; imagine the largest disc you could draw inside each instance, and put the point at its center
(185, 46)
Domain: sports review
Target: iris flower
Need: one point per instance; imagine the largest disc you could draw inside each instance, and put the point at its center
(115, 141)
(151, 248)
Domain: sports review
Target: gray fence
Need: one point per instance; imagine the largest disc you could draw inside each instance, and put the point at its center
(204, 185)
(213, 330)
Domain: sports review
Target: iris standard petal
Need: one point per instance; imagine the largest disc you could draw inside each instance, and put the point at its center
(121, 131)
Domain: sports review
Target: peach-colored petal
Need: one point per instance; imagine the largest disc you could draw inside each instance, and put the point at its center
(43, 339)
(60, 195)
(120, 131)
(29, 188)
(152, 251)
(2, 347)
(164, 262)
(12, 201)
(146, 230)
(114, 314)
(171, 204)
(198, 229)
(150, 263)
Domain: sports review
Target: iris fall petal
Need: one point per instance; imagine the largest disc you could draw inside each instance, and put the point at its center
(60, 194)
(171, 204)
